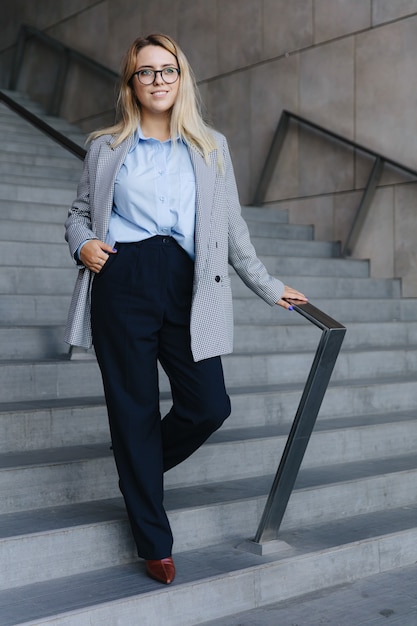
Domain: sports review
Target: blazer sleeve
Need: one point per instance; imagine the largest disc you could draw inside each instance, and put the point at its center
(242, 254)
(78, 226)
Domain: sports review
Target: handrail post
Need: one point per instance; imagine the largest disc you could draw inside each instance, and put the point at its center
(18, 58)
(271, 159)
(56, 98)
(315, 388)
(363, 208)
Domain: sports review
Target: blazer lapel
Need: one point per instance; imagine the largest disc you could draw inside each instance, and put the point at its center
(110, 161)
(205, 175)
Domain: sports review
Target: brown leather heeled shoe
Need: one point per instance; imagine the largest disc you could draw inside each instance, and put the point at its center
(162, 570)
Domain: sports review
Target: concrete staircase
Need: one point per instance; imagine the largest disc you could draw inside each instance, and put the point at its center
(65, 547)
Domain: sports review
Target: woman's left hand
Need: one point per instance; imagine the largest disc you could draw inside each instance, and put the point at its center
(291, 294)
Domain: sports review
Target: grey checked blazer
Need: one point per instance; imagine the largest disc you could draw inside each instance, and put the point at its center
(221, 237)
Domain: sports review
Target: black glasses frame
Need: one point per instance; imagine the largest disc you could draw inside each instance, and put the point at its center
(155, 72)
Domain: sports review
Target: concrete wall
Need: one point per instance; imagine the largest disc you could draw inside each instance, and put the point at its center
(346, 64)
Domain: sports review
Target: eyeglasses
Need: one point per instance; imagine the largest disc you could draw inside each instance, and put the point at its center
(147, 77)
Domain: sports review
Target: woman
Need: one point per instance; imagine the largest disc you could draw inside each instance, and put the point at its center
(155, 223)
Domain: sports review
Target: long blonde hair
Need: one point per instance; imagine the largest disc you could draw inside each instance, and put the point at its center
(186, 118)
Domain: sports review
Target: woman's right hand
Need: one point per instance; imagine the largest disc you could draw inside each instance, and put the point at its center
(95, 253)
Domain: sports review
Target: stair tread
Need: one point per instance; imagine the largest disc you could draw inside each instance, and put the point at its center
(80, 401)
(93, 512)
(321, 425)
(50, 403)
(365, 599)
(48, 456)
(245, 355)
(72, 594)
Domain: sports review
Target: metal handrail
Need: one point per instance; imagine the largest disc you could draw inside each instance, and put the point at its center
(379, 161)
(46, 128)
(315, 388)
(66, 53)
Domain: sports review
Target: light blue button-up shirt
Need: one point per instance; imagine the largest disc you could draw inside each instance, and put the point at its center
(154, 194)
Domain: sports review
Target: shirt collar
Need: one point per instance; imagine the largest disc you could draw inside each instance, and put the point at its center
(139, 136)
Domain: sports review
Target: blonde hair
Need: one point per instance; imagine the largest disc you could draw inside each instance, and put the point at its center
(186, 118)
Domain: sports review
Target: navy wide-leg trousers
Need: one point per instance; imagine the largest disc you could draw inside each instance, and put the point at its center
(141, 302)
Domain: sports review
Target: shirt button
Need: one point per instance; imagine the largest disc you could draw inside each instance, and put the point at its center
(217, 279)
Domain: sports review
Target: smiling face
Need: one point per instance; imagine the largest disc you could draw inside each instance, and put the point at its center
(158, 98)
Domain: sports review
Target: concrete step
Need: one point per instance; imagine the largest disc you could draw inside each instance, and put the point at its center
(316, 287)
(254, 311)
(20, 380)
(14, 230)
(32, 342)
(37, 425)
(311, 249)
(295, 232)
(283, 368)
(33, 193)
(379, 541)
(45, 181)
(42, 341)
(65, 160)
(265, 214)
(321, 555)
(18, 129)
(225, 509)
(34, 212)
(8, 115)
(52, 272)
(50, 309)
(38, 173)
(23, 310)
(32, 280)
(292, 265)
(365, 599)
(48, 148)
(12, 213)
(21, 137)
(64, 378)
(53, 254)
(280, 338)
(31, 233)
(12, 121)
(16, 253)
(52, 422)
(67, 475)
(29, 268)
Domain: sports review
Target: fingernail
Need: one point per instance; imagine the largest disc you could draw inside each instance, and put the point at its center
(290, 308)
(114, 250)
